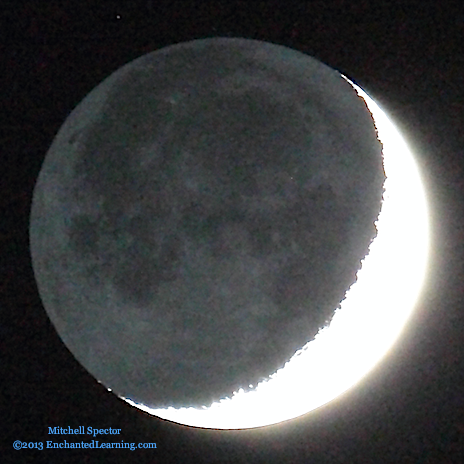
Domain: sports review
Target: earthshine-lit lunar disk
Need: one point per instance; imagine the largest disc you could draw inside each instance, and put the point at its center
(220, 233)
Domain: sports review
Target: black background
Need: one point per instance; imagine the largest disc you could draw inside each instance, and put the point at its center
(407, 56)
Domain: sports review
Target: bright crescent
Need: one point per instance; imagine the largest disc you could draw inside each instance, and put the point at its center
(363, 328)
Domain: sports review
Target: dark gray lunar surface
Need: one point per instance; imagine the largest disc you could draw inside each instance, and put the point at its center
(201, 214)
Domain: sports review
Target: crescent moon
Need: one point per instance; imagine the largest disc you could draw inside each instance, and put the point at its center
(364, 327)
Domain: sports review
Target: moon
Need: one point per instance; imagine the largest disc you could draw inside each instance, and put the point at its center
(221, 233)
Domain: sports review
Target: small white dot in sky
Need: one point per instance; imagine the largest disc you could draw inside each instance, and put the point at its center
(118, 16)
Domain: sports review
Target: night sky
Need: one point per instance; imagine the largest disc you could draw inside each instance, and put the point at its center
(410, 408)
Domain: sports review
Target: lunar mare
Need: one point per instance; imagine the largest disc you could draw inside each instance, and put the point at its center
(198, 218)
